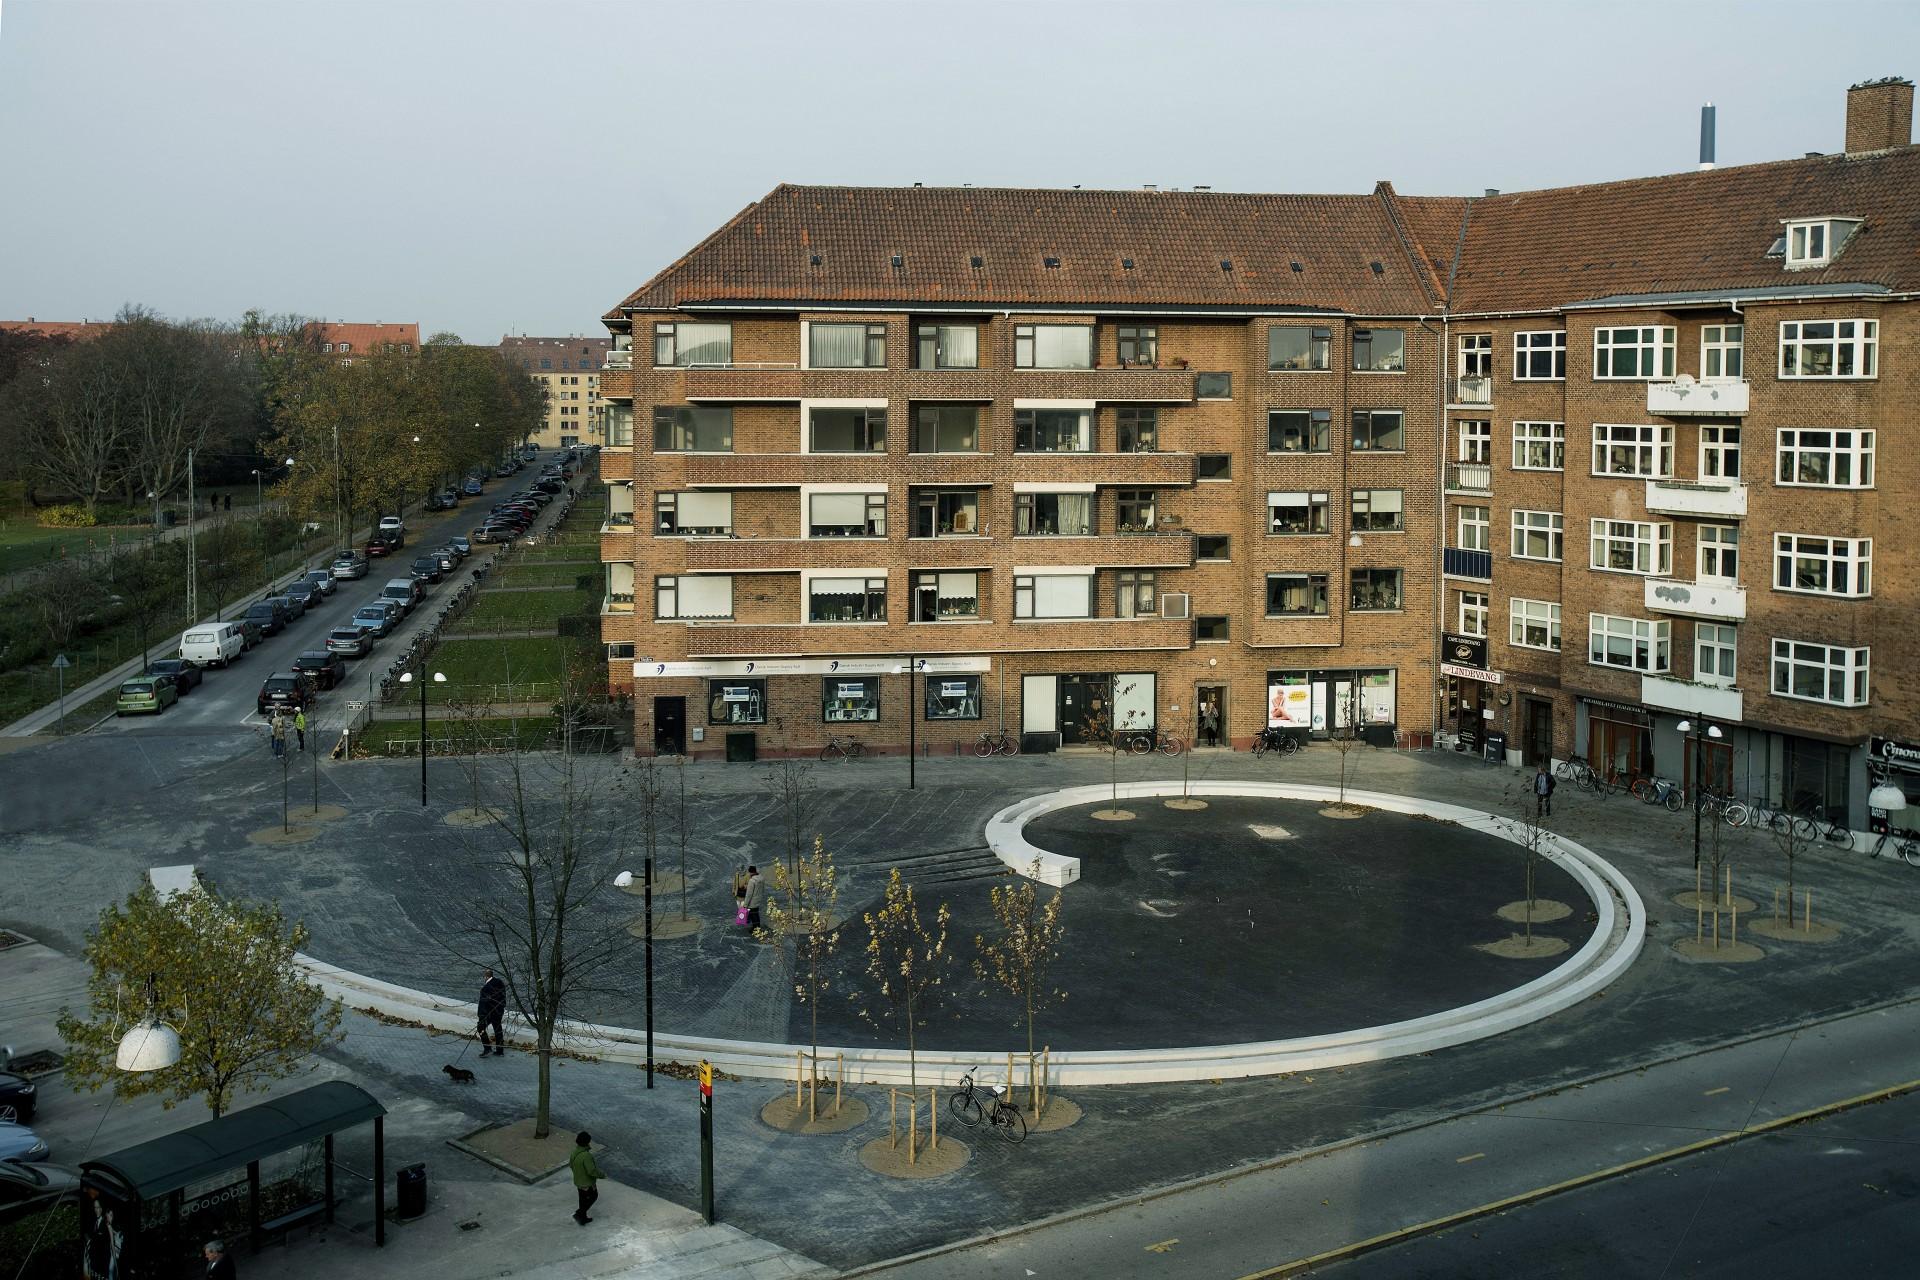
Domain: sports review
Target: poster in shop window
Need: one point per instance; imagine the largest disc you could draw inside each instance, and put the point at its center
(1289, 706)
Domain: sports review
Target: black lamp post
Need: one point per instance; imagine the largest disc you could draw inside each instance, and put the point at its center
(406, 677)
(1700, 736)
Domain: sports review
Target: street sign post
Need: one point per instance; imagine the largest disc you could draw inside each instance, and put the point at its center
(706, 1140)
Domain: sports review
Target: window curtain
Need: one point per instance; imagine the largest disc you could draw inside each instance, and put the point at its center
(702, 597)
(706, 510)
(705, 343)
(840, 509)
(1075, 513)
(1062, 596)
(1058, 346)
(960, 347)
(839, 346)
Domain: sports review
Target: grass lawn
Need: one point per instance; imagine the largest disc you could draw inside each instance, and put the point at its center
(507, 609)
(557, 573)
(24, 544)
(585, 553)
(534, 663)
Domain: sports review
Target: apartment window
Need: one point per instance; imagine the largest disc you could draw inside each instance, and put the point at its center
(1136, 430)
(1133, 595)
(847, 515)
(1822, 566)
(1374, 589)
(1476, 359)
(1717, 553)
(1213, 466)
(1832, 459)
(692, 429)
(1719, 452)
(1210, 627)
(690, 344)
(1299, 430)
(1829, 348)
(1533, 624)
(1212, 546)
(1820, 673)
(1379, 429)
(1473, 613)
(1380, 350)
(946, 428)
(1473, 529)
(1634, 644)
(1297, 512)
(849, 699)
(1643, 351)
(947, 346)
(847, 430)
(953, 697)
(946, 513)
(1630, 546)
(1134, 510)
(1294, 347)
(1540, 356)
(846, 600)
(693, 596)
(1714, 653)
(1377, 511)
(1539, 535)
(1213, 386)
(620, 425)
(1052, 595)
(1052, 346)
(945, 597)
(1053, 430)
(1722, 348)
(847, 346)
(1809, 244)
(693, 514)
(1066, 515)
(1539, 446)
(1296, 595)
(736, 701)
(1139, 344)
(1475, 440)
(1631, 450)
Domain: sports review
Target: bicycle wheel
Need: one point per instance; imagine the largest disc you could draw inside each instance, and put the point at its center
(1139, 745)
(1642, 790)
(1736, 814)
(1008, 745)
(1804, 827)
(1674, 801)
(1839, 834)
(1910, 850)
(831, 750)
(985, 747)
(1011, 1124)
(856, 749)
(1564, 770)
(1289, 746)
(1260, 747)
(965, 1108)
(1171, 746)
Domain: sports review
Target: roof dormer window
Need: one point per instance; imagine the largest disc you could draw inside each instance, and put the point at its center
(1814, 242)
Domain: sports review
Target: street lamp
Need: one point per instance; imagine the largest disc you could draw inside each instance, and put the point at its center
(1699, 776)
(406, 677)
(150, 1044)
(621, 881)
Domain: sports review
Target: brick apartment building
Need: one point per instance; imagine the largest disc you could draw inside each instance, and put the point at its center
(569, 373)
(1566, 467)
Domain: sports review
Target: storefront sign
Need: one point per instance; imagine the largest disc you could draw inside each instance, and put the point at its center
(1471, 673)
(734, 693)
(1465, 651)
(1623, 711)
(854, 690)
(956, 689)
(1892, 754)
(807, 667)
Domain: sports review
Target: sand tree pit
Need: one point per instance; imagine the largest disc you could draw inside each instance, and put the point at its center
(1793, 921)
(1518, 946)
(1540, 911)
(914, 1145)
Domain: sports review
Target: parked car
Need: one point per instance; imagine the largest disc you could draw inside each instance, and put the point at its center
(17, 1142)
(487, 533)
(323, 665)
(393, 524)
(269, 615)
(447, 558)
(350, 564)
(214, 645)
(286, 691)
(404, 592)
(378, 617)
(436, 502)
(185, 676)
(323, 579)
(426, 569)
(17, 1098)
(250, 631)
(293, 606)
(27, 1189)
(385, 544)
(473, 488)
(550, 486)
(306, 594)
(145, 695)
(464, 547)
(354, 641)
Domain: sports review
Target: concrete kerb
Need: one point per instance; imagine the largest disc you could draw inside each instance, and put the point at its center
(1615, 943)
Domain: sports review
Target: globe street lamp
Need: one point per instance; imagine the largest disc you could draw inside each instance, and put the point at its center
(621, 881)
(406, 677)
(1699, 776)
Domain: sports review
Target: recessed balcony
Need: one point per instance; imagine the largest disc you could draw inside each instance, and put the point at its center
(1701, 501)
(1686, 398)
(1469, 393)
(1722, 702)
(1459, 562)
(1038, 635)
(1470, 478)
(1712, 601)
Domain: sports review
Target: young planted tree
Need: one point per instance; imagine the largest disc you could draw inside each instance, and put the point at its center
(1019, 959)
(803, 926)
(907, 965)
(1790, 837)
(680, 827)
(794, 792)
(1344, 741)
(1524, 822)
(221, 973)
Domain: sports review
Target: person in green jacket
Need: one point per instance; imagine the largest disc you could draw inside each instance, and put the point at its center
(585, 1174)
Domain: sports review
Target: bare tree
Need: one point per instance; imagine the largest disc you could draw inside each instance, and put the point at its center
(1789, 836)
(177, 383)
(1345, 742)
(794, 791)
(1523, 821)
(65, 423)
(680, 827)
(64, 596)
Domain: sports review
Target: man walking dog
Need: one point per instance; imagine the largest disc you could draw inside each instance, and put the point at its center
(493, 1007)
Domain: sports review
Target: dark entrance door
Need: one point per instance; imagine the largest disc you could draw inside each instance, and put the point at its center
(1085, 713)
(1470, 697)
(1210, 701)
(1536, 732)
(670, 726)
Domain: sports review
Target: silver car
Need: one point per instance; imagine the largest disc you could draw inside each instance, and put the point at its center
(17, 1142)
(350, 565)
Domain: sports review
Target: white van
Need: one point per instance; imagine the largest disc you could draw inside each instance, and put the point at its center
(404, 592)
(214, 645)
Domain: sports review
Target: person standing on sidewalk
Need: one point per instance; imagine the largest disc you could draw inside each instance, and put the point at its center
(493, 1007)
(586, 1172)
(300, 726)
(1543, 784)
(219, 1265)
(756, 897)
(1210, 724)
(279, 734)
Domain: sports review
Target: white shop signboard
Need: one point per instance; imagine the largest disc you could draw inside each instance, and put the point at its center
(723, 668)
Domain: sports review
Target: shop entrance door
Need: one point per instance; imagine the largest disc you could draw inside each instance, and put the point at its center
(1471, 699)
(1614, 748)
(1210, 701)
(670, 726)
(1536, 736)
(1086, 712)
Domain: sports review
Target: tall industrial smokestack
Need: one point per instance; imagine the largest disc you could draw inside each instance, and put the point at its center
(1706, 137)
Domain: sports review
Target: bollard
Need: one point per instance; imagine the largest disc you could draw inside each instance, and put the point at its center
(1699, 918)
(893, 1106)
(1809, 914)
(799, 1065)
(913, 1127)
(1733, 938)
(839, 1079)
(1046, 1075)
(1776, 909)
(933, 1122)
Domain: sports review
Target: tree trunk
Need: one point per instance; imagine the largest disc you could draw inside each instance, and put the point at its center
(543, 1096)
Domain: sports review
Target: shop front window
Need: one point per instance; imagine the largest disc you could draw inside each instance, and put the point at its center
(846, 700)
(735, 701)
(953, 697)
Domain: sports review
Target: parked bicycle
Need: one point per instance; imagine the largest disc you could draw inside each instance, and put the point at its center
(1150, 741)
(1003, 1115)
(843, 749)
(1577, 771)
(1659, 791)
(1899, 844)
(997, 743)
(1274, 739)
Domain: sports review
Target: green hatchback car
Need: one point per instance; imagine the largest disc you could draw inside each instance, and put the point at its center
(147, 693)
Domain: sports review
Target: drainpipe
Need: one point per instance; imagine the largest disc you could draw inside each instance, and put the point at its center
(1440, 543)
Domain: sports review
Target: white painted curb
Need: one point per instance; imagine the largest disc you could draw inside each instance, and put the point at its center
(1616, 941)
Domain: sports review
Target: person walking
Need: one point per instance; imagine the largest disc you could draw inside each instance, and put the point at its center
(585, 1173)
(300, 726)
(493, 1007)
(756, 896)
(219, 1265)
(1543, 785)
(279, 735)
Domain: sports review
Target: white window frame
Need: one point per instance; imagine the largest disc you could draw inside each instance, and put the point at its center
(1026, 594)
(1473, 613)
(1475, 358)
(1475, 440)
(1528, 344)
(811, 578)
(1651, 445)
(1719, 451)
(1523, 613)
(1849, 666)
(1854, 445)
(1028, 335)
(1809, 243)
(1649, 546)
(1853, 556)
(1314, 500)
(669, 584)
(866, 492)
(1473, 528)
(1716, 653)
(1723, 352)
(1653, 345)
(1526, 524)
(1528, 436)
(1716, 554)
(1654, 636)
(871, 331)
(1858, 337)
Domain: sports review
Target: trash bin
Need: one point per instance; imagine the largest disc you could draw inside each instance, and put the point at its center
(410, 1200)
(742, 748)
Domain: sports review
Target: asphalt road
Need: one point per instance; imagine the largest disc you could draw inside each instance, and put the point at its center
(225, 699)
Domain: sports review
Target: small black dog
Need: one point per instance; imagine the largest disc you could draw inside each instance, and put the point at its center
(459, 1075)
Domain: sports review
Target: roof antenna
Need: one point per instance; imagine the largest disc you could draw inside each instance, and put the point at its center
(1706, 137)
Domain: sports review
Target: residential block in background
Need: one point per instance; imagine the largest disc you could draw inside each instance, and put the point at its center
(569, 373)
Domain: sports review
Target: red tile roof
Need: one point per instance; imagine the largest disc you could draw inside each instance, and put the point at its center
(529, 351)
(361, 339)
(77, 330)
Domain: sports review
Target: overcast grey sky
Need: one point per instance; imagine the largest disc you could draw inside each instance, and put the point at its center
(519, 167)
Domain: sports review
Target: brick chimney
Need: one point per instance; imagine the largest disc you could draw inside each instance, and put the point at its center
(1879, 115)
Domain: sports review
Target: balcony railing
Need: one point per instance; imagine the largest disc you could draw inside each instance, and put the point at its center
(1681, 498)
(1714, 701)
(1719, 603)
(1470, 391)
(1685, 398)
(1469, 477)
(619, 358)
(1458, 562)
